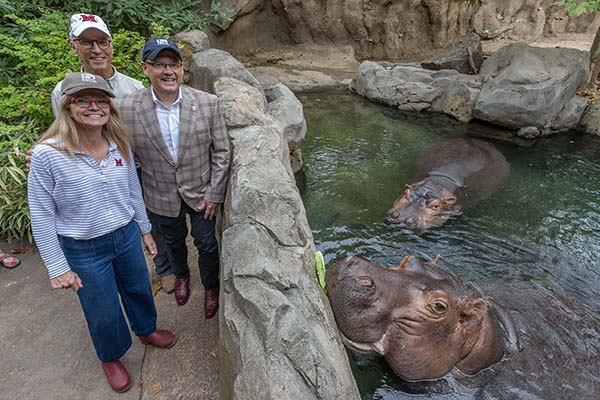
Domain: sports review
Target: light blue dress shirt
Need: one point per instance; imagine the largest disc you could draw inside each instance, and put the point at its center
(168, 119)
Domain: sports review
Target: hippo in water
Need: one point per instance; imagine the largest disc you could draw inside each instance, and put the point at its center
(450, 175)
(421, 318)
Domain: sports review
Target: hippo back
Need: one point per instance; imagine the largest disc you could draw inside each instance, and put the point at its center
(477, 164)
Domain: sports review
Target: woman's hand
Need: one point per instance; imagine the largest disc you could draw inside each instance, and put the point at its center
(149, 245)
(67, 280)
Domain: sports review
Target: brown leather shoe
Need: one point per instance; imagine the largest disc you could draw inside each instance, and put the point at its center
(159, 338)
(211, 303)
(117, 376)
(167, 283)
(182, 291)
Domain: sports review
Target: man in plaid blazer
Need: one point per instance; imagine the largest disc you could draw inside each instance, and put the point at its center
(180, 142)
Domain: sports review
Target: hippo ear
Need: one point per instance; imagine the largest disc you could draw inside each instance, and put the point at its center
(410, 262)
(472, 311)
(449, 197)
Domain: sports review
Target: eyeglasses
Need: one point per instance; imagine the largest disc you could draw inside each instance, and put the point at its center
(83, 102)
(163, 67)
(88, 44)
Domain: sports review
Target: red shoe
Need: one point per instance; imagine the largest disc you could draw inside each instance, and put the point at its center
(117, 376)
(211, 303)
(159, 338)
(182, 291)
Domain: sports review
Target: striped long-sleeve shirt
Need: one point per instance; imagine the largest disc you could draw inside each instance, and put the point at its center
(78, 198)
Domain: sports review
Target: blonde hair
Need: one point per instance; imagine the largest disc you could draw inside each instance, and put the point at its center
(65, 130)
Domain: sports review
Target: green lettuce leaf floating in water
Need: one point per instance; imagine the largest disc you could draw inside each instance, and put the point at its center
(320, 267)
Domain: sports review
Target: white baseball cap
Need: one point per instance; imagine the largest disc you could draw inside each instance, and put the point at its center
(81, 22)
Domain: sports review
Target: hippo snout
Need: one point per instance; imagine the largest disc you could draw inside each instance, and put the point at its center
(395, 217)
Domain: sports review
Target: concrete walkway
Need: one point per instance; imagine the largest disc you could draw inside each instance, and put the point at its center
(46, 351)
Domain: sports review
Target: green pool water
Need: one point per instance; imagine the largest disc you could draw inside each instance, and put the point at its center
(543, 226)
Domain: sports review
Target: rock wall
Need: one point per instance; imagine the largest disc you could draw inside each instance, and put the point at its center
(386, 29)
(277, 335)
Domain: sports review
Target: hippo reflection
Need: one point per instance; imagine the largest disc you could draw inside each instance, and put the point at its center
(450, 175)
(421, 318)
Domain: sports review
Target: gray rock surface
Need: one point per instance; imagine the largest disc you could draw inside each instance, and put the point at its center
(591, 119)
(412, 88)
(387, 29)
(463, 55)
(242, 104)
(277, 334)
(288, 113)
(525, 86)
(210, 65)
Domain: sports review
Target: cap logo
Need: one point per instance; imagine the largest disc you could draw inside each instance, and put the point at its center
(88, 18)
(89, 78)
(162, 42)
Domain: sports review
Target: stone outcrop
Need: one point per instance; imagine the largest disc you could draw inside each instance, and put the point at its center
(525, 86)
(210, 65)
(387, 29)
(242, 104)
(463, 55)
(591, 118)
(277, 335)
(278, 338)
(412, 88)
(529, 89)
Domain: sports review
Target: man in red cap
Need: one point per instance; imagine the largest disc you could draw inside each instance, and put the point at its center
(91, 40)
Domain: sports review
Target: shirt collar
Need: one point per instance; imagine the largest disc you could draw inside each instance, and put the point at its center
(157, 101)
(111, 79)
(112, 146)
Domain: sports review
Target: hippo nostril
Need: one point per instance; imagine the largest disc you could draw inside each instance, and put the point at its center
(365, 281)
(410, 222)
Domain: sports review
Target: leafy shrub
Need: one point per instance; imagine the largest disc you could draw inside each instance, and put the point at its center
(34, 56)
(136, 15)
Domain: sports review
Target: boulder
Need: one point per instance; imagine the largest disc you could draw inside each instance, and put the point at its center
(288, 113)
(412, 88)
(277, 334)
(209, 65)
(242, 104)
(463, 55)
(525, 86)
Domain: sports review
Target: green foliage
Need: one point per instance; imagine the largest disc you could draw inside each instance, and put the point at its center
(136, 15)
(219, 14)
(14, 213)
(578, 7)
(35, 55)
(571, 7)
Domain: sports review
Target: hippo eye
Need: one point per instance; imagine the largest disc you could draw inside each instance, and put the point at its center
(434, 204)
(439, 307)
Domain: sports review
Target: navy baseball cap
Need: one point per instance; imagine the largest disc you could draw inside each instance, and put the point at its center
(155, 45)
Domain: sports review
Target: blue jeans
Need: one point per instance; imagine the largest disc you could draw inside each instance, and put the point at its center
(110, 266)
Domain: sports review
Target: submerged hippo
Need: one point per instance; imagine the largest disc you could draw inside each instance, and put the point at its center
(421, 318)
(450, 175)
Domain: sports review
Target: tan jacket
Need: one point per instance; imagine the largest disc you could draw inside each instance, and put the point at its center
(203, 156)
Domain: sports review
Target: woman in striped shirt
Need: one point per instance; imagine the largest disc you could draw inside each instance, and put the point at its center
(87, 215)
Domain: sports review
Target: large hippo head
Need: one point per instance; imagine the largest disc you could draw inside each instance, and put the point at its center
(421, 318)
(424, 205)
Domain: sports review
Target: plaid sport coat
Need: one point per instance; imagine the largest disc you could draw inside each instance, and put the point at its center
(203, 156)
